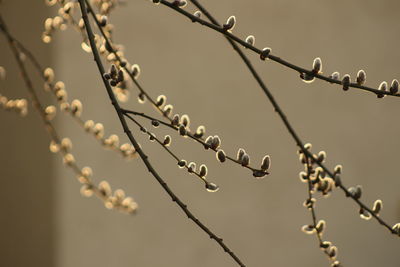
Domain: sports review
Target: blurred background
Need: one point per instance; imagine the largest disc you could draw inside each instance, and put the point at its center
(46, 222)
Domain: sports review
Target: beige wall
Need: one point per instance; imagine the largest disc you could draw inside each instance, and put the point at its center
(26, 166)
(203, 77)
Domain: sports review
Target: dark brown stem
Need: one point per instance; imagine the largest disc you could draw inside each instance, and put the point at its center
(231, 38)
(277, 59)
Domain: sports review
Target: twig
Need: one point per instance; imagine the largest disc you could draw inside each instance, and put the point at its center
(256, 172)
(277, 59)
(211, 187)
(271, 98)
(105, 195)
(316, 227)
(142, 155)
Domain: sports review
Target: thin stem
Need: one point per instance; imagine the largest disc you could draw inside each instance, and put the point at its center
(200, 140)
(230, 37)
(142, 155)
(312, 208)
(40, 70)
(48, 125)
(152, 136)
(277, 59)
(191, 136)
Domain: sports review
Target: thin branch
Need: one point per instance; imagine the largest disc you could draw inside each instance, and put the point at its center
(258, 173)
(78, 119)
(200, 140)
(271, 98)
(211, 187)
(102, 192)
(142, 155)
(301, 70)
(325, 246)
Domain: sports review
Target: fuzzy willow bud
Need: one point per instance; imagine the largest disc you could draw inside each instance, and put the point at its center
(317, 65)
(346, 82)
(361, 77)
(230, 23)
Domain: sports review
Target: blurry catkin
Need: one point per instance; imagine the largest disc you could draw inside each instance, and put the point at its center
(98, 130)
(50, 112)
(251, 40)
(230, 23)
(59, 86)
(317, 65)
(61, 95)
(54, 147)
(361, 77)
(48, 74)
(76, 107)
(87, 172)
(64, 106)
(346, 82)
(2, 73)
(86, 190)
(68, 159)
(86, 47)
(112, 141)
(221, 156)
(105, 188)
(66, 144)
(394, 87)
(88, 126)
(103, 21)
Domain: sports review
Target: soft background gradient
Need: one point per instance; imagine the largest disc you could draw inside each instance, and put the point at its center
(45, 222)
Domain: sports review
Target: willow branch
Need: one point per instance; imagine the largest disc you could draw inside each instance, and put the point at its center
(233, 37)
(105, 196)
(215, 25)
(142, 155)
